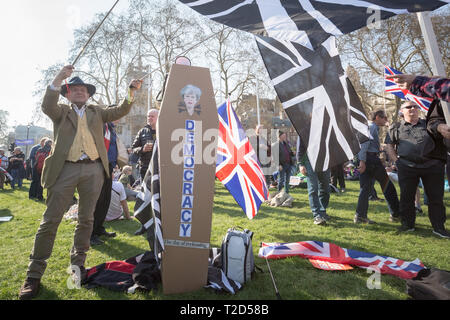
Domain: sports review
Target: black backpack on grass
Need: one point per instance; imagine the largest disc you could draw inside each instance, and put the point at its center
(429, 284)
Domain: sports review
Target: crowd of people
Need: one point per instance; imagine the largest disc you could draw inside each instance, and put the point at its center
(416, 152)
(85, 158)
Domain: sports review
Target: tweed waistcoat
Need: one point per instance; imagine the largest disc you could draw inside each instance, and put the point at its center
(83, 142)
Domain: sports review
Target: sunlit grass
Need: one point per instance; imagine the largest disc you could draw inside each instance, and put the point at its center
(295, 277)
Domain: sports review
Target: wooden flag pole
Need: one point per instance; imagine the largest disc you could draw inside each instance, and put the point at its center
(432, 48)
(90, 38)
(149, 89)
(257, 102)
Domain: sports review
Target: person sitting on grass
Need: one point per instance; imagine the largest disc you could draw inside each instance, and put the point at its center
(118, 204)
(125, 180)
(4, 175)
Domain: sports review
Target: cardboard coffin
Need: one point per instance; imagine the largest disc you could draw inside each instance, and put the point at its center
(187, 131)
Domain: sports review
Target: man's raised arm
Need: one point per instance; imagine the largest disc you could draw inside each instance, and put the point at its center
(50, 103)
(112, 114)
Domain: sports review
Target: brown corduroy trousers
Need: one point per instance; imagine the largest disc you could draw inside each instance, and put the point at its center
(87, 179)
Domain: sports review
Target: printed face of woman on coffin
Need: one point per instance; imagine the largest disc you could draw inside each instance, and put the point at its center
(191, 95)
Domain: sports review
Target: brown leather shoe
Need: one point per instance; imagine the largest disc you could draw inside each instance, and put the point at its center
(29, 289)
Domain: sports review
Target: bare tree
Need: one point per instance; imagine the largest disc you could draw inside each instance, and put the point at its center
(108, 58)
(398, 43)
(3, 126)
(235, 59)
(149, 36)
(105, 62)
(164, 34)
(47, 76)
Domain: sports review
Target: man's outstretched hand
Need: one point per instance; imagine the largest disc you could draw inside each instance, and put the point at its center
(403, 80)
(444, 129)
(63, 74)
(134, 86)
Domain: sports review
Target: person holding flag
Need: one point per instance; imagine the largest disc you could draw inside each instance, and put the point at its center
(419, 156)
(79, 161)
(429, 87)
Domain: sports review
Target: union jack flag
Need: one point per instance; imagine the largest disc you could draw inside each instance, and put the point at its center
(393, 88)
(107, 137)
(237, 166)
(333, 253)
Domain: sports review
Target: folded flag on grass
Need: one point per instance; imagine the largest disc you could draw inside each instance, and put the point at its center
(330, 252)
(329, 266)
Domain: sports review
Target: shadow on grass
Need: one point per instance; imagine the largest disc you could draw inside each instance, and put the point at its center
(6, 213)
(45, 293)
(118, 249)
(221, 192)
(7, 191)
(301, 210)
(223, 207)
(295, 236)
(106, 294)
(123, 226)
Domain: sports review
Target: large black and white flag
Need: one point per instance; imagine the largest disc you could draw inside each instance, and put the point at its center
(312, 87)
(306, 22)
(296, 39)
(148, 205)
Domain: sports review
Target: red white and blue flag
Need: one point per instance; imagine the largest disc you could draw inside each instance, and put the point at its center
(107, 137)
(237, 166)
(393, 88)
(330, 252)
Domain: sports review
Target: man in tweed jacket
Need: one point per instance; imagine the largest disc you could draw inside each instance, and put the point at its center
(78, 161)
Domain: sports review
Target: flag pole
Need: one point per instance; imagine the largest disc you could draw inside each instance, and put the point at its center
(434, 55)
(273, 281)
(384, 91)
(90, 38)
(149, 88)
(257, 101)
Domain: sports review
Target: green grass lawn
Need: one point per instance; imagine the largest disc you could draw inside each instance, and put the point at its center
(296, 278)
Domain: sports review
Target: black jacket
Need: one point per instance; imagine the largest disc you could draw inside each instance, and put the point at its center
(144, 135)
(16, 164)
(283, 157)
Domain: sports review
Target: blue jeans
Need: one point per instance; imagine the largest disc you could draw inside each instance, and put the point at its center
(284, 177)
(318, 190)
(15, 173)
(375, 170)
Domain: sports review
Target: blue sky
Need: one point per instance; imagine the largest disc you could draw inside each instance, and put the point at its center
(35, 35)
